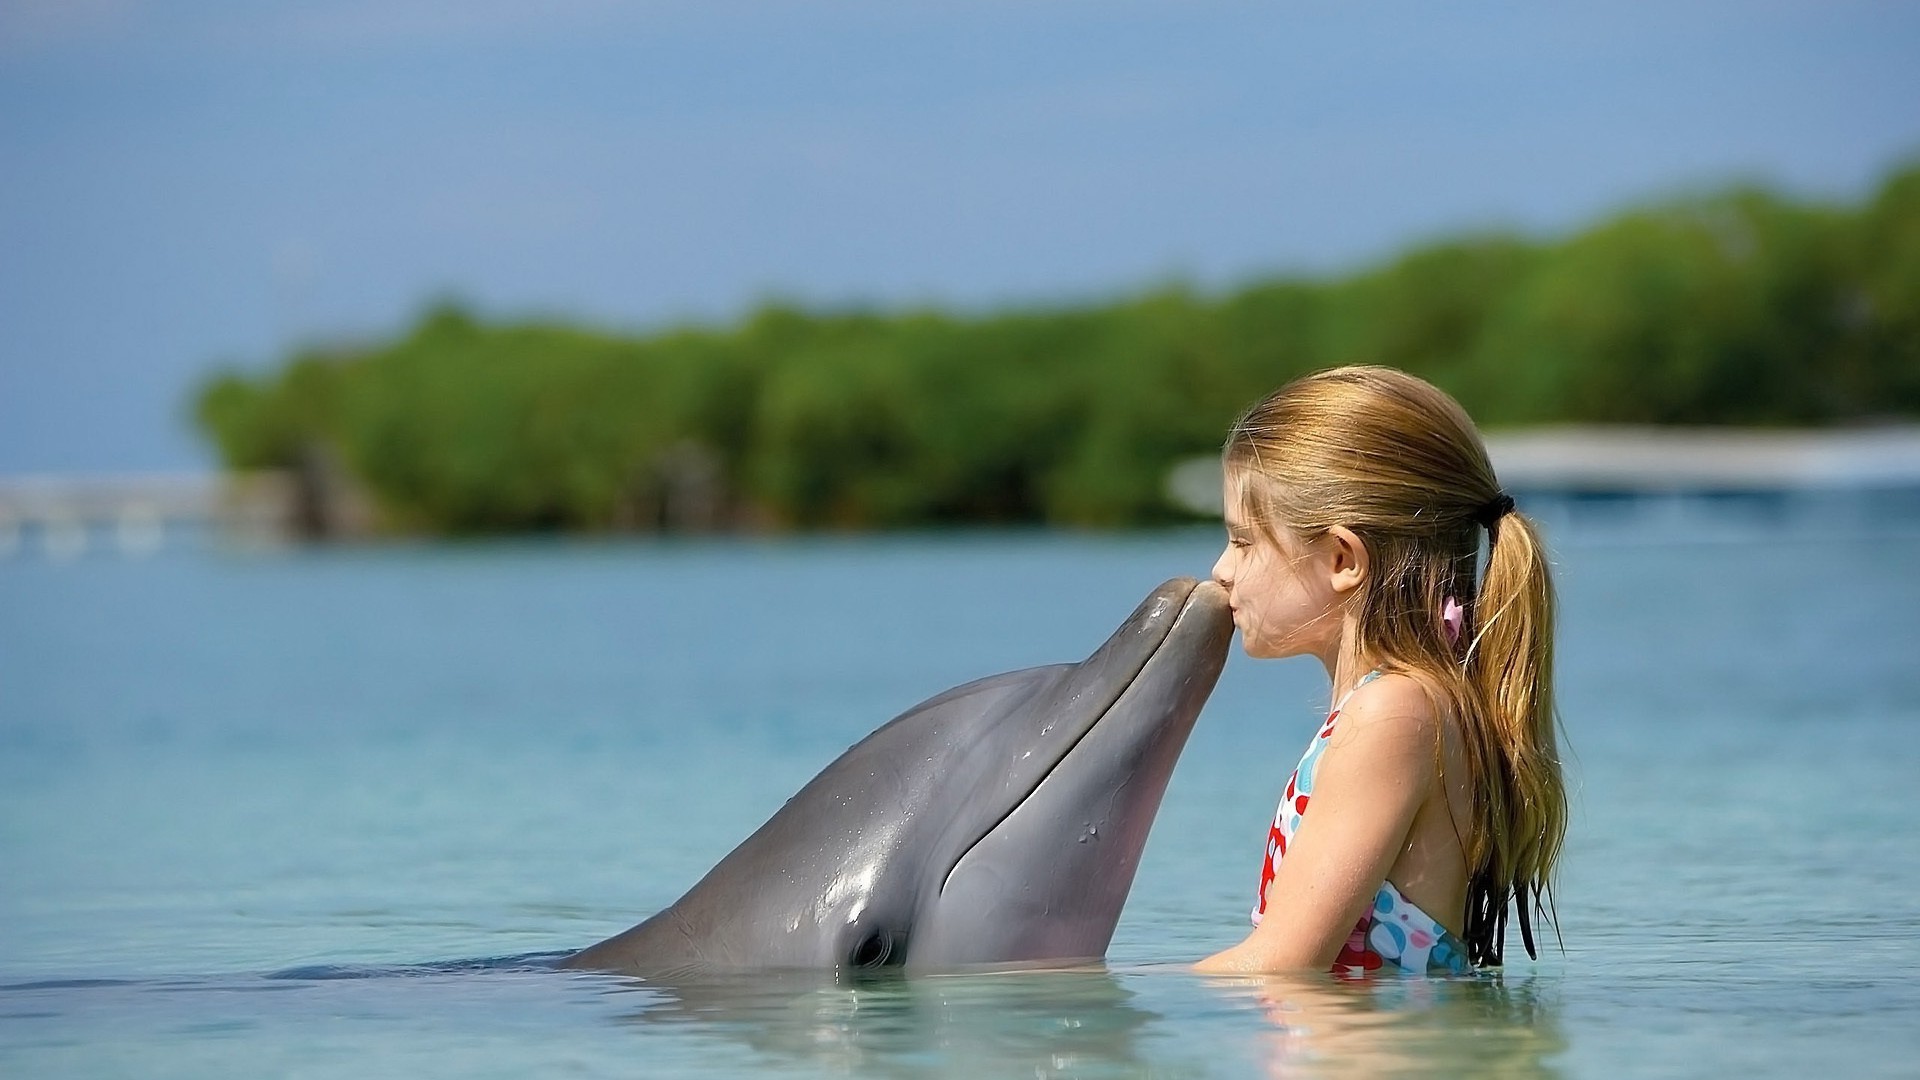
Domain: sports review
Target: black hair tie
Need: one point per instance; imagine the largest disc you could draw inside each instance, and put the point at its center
(1490, 515)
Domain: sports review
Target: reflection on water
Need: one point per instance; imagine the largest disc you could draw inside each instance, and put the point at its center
(1081, 1022)
(1161, 1021)
(1485, 1025)
(1095, 1022)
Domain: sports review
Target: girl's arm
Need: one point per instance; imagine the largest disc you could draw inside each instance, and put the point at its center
(1368, 786)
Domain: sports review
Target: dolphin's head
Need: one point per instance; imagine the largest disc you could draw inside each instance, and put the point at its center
(1038, 866)
(998, 822)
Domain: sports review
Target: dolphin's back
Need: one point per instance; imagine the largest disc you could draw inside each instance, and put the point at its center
(993, 694)
(997, 821)
(743, 914)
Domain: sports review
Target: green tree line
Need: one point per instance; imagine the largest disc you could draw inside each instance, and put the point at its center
(1743, 307)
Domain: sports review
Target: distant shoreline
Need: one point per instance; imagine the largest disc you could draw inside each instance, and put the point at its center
(1550, 455)
(1648, 460)
(1627, 460)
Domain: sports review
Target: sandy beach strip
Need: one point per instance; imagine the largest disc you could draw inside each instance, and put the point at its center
(1675, 459)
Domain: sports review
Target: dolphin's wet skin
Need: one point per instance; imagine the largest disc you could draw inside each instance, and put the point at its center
(1000, 821)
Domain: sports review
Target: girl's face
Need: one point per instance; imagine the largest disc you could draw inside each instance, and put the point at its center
(1283, 590)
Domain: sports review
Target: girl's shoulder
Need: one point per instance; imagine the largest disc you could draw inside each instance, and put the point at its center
(1392, 707)
(1388, 733)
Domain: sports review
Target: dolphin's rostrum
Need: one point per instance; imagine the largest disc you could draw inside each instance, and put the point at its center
(1000, 821)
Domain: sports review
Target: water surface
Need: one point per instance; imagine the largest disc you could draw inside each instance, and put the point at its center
(252, 805)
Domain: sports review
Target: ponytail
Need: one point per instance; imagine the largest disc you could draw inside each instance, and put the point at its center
(1509, 671)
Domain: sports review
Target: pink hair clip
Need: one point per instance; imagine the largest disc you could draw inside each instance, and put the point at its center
(1454, 618)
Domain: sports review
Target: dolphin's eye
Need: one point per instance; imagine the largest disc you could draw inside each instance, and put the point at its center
(877, 950)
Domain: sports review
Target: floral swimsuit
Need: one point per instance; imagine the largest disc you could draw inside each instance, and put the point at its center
(1394, 933)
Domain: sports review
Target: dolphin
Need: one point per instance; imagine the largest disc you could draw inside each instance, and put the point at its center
(996, 823)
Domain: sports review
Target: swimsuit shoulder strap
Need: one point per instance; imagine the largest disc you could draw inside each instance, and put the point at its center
(1364, 680)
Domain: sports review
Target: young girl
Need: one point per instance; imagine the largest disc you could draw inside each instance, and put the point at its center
(1356, 502)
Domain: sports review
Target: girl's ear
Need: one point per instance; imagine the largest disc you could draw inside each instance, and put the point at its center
(1348, 558)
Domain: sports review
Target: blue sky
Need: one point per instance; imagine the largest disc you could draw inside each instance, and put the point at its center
(195, 183)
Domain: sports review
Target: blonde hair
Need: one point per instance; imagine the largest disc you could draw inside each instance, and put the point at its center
(1397, 461)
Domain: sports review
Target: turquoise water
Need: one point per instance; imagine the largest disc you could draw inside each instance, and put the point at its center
(252, 805)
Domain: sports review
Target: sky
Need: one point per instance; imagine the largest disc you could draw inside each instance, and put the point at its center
(199, 184)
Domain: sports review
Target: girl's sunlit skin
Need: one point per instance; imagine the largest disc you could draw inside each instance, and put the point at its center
(1291, 598)
(1401, 792)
